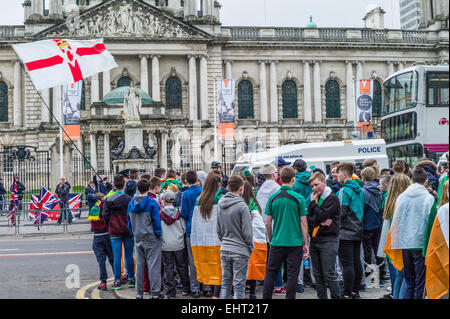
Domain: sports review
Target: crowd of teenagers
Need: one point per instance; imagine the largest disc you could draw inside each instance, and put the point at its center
(287, 228)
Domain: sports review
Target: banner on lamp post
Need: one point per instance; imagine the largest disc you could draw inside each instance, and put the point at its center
(226, 100)
(72, 110)
(364, 103)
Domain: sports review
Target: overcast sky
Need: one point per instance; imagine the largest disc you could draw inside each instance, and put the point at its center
(282, 13)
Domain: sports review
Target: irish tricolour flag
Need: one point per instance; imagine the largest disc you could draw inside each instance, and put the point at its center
(57, 62)
(436, 260)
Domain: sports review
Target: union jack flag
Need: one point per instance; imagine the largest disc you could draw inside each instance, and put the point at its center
(45, 201)
(13, 204)
(75, 204)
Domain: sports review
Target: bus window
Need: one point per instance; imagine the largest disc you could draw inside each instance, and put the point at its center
(437, 89)
(399, 128)
(400, 92)
(411, 154)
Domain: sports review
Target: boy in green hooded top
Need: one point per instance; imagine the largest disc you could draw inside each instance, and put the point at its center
(352, 202)
(302, 177)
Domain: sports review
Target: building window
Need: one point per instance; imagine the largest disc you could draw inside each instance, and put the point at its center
(3, 102)
(245, 100)
(182, 3)
(377, 99)
(185, 155)
(333, 101)
(45, 12)
(157, 3)
(173, 93)
(290, 105)
(124, 81)
(83, 97)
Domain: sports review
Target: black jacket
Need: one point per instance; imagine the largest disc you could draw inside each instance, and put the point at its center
(2, 189)
(63, 192)
(330, 209)
(20, 190)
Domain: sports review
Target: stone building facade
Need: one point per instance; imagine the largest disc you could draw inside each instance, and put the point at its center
(293, 84)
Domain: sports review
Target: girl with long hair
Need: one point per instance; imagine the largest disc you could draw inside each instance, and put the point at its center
(444, 195)
(204, 240)
(258, 259)
(398, 184)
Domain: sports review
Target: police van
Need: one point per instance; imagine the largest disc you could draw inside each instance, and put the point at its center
(321, 155)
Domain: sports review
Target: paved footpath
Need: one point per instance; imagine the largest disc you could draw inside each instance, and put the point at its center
(310, 293)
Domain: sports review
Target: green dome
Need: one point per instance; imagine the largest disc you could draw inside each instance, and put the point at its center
(311, 23)
(117, 96)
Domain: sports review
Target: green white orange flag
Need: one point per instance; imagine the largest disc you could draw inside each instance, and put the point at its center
(437, 260)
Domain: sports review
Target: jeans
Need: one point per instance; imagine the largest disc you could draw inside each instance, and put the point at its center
(370, 243)
(195, 285)
(414, 271)
(64, 211)
(128, 244)
(179, 260)
(400, 286)
(103, 249)
(349, 255)
(237, 265)
(293, 259)
(323, 259)
(279, 279)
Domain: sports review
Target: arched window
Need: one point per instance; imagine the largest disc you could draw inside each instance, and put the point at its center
(245, 100)
(3, 102)
(290, 105)
(377, 99)
(333, 99)
(124, 81)
(83, 97)
(173, 93)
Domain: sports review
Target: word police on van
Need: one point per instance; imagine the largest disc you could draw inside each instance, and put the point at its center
(368, 150)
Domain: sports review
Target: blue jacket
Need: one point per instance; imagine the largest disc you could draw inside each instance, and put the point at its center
(143, 218)
(188, 201)
(373, 216)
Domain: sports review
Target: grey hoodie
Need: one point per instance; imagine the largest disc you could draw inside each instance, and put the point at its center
(234, 226)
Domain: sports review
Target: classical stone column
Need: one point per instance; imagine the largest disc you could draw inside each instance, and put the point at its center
(204, 88)
(107, 151)
(273, 92)
(106, 82)
(93, 137)
(359, 71)
(350, 92)
(163, 151)
(17, 95)
(144, 72)
(401, 66)
(45, 112)
(317, 93)
(228, 70)
(307, 92)
(193, 113)
(190, 8)
(95, 89)
(391, 67)
(263, 91)
(156, 89)
(57, 102)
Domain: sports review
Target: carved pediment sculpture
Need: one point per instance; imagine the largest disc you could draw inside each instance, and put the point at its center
(119, 18)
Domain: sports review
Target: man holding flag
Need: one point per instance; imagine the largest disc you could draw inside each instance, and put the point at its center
(14, 203)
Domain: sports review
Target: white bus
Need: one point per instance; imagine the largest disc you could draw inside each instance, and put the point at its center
(415, 113)
(321, 155)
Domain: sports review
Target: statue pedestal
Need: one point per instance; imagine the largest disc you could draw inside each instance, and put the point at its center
(133, 135)
(146, 165)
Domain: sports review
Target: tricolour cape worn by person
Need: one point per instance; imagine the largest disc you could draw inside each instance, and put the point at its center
(205, 245)
(436, 260)
(409, 224)
(258, 259)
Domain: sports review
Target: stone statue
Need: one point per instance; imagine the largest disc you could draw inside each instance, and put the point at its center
(150, 151)
(118, 149)
(132, 104)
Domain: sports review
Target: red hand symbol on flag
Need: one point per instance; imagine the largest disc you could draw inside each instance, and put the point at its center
(67, 57)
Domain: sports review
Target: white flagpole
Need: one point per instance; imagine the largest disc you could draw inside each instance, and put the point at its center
(215, 120)
(61, 148)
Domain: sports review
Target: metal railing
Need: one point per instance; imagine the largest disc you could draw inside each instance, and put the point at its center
(24, 224)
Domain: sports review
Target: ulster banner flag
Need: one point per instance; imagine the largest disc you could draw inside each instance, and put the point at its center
(57, 62)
